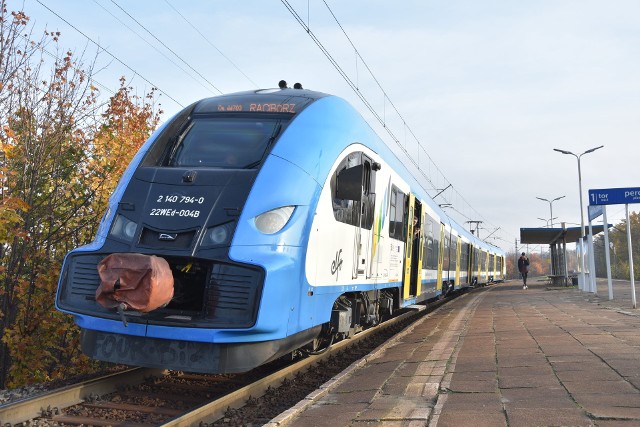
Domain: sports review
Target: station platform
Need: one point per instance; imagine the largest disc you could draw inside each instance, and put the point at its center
(496, 356)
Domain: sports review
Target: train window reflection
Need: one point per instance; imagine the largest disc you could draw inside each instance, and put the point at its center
(224, 143)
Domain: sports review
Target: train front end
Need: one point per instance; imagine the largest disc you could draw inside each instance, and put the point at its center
(184, 199)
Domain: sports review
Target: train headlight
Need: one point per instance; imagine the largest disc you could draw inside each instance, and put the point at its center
(274, 220)
(218, 235)
(123, 228)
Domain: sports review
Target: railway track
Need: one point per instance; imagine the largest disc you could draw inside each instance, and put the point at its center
(152, 397)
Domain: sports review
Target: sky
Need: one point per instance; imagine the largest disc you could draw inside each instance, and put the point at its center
(478, 93)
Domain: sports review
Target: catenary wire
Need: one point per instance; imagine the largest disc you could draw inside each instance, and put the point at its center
(210, 43)
(166, 47)
(151, 45)
(109, 53)
(357, 52)
(356, 90)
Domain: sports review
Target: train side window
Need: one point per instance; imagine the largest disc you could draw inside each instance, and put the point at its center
(446, 257)
(453, 260)
(476, 259)
(396, 214)
(431, 260)
(464, 257)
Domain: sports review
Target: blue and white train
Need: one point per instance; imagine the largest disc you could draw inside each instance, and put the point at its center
(287, 223)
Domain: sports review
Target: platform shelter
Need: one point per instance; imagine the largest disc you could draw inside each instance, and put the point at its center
(557, 239)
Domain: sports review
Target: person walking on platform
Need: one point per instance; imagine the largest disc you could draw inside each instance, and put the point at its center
(523, 267)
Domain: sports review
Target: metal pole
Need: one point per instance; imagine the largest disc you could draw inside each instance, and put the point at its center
(593, 287)
(564, 254)
(591, 150)
(606, 250)
(633, 284)
(582, 275)
(550, 207)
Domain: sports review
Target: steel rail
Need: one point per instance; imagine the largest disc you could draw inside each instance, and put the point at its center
(216, 409)
(29, 408)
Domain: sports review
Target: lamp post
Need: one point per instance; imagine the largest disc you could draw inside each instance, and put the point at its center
(546, 220)
(577, 156)
(550, 206)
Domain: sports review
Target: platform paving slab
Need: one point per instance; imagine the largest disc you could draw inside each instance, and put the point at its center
(498, 356)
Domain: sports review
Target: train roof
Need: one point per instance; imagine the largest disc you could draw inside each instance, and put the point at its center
(289, 103)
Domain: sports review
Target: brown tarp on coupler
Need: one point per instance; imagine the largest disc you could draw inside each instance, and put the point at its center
(141, 282)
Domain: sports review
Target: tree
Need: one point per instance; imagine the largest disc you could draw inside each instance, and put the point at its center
(60, 160)
(126, 124)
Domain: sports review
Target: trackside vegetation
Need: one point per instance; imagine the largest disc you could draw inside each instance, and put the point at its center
(62, 153)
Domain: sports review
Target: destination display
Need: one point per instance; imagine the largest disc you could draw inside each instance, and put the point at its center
(257, 107)
(614, 196)
(286, 103)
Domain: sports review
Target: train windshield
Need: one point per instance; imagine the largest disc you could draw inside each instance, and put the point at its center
(219, 142)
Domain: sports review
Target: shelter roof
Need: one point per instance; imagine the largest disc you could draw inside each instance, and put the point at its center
(549, 236)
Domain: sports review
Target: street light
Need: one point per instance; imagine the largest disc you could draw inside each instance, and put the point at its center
(546, 220)
(550, 206)
(581, 208)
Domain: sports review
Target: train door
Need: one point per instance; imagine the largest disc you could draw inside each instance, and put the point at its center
(492, 268)
(483, 267)
(464, 261)
(422, 253)
(475, 267)
(412, 250)
(468, 264)
(458, 251)
(418, 249)
(447, 275)
(356, 185)
(440, 259)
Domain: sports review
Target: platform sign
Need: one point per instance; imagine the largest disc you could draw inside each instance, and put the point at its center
(595, 211)
(614, 196)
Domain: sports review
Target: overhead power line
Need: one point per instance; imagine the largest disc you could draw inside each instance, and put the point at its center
(166, 47)
(356, 90)
(151, 45)
(110, 54)
(210, 43)
(344, 75)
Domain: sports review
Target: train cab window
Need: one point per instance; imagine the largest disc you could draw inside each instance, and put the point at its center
(352, 189)
(220, 142)
(396, 214)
